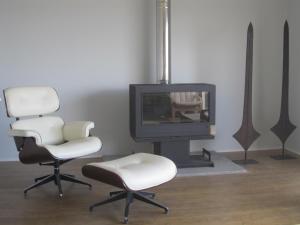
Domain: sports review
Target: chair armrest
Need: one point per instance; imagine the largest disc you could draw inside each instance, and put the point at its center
(77, 129)
(26, 133)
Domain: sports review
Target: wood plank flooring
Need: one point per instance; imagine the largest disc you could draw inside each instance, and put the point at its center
(268, 195)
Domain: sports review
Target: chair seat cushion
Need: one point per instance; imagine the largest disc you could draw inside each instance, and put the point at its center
(138, 171)
(75, 148)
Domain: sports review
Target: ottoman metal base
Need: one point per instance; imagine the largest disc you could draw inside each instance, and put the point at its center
(130, 196)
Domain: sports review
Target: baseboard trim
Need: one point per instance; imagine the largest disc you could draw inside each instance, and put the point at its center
(293, 151)
(93, 156)
(219, 150)
(252, 150)
(9, 160)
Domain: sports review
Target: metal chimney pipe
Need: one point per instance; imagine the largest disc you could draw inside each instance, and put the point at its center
(163, 41)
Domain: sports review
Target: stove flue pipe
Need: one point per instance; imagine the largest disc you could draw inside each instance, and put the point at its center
(163, 41)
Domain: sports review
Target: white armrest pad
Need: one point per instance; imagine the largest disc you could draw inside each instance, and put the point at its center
(26, 133)
(77, 129)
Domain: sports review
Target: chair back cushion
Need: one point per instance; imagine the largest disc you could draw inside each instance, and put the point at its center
(30, 101)
(49, 128)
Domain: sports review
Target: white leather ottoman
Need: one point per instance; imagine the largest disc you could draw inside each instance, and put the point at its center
(132, 174)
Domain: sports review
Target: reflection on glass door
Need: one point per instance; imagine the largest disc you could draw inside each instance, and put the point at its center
(175, 107)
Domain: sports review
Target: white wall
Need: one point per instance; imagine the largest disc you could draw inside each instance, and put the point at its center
(90, 50)
(294, 18)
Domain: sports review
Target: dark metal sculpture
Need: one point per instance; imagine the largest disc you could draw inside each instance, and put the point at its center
(246, 135)
(284, 128)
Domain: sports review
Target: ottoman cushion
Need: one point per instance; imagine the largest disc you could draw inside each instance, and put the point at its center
(137, 172)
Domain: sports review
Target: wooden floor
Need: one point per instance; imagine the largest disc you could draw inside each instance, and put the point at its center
(268, 195)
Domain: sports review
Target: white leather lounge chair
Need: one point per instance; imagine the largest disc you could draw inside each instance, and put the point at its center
(45, 139)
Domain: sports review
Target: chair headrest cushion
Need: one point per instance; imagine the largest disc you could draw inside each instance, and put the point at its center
(30, 101)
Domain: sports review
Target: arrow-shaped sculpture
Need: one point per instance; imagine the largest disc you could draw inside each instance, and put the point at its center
(246, 135)
(284, 128)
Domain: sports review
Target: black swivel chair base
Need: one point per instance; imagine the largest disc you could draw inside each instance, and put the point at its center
(56, 178)
(130, 196)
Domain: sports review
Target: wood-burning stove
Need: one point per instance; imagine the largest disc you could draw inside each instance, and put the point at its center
(170, 115)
